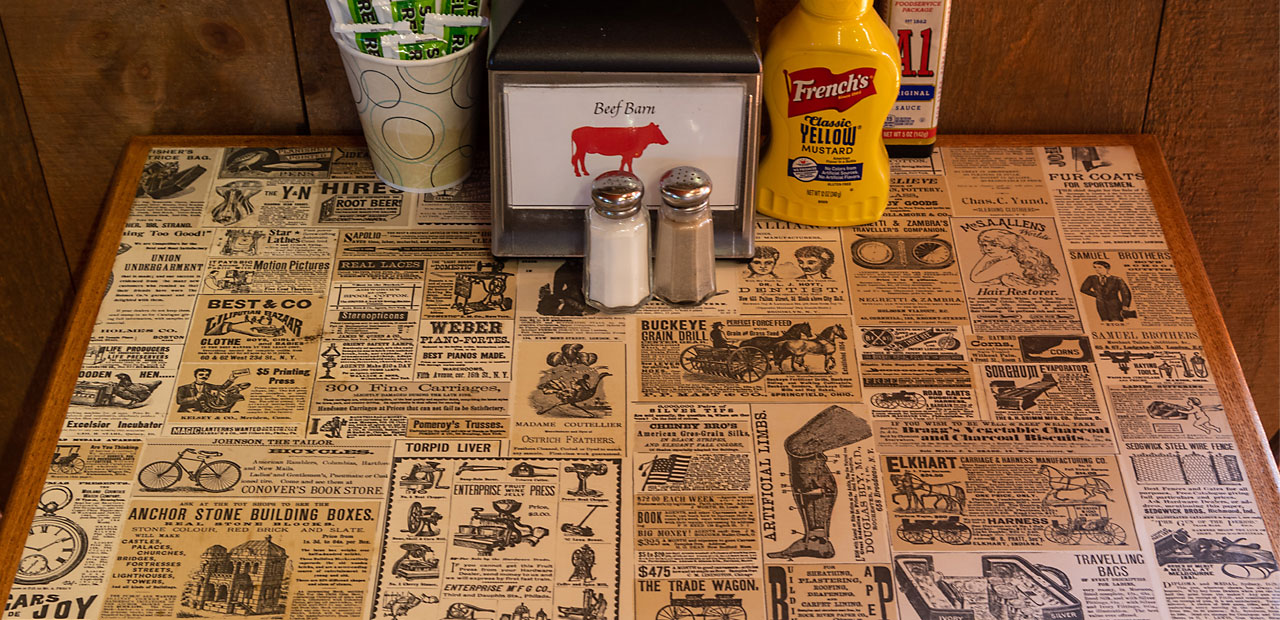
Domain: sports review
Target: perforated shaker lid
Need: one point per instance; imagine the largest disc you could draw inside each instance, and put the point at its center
(685, 187)
(617, 193)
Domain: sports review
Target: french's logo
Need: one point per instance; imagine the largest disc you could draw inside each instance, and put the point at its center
(816, 88)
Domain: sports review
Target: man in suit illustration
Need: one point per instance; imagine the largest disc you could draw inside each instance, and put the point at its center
(1110, 293)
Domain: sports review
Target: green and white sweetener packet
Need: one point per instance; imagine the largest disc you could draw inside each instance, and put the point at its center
(388, 11)
(413, 46)
(459, 31)
(368, 37)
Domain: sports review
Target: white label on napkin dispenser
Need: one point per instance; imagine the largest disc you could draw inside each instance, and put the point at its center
(561, 137)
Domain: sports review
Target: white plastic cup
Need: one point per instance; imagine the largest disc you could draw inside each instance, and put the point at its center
(419, 116)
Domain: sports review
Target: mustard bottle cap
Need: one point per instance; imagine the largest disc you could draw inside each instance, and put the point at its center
(836, 9)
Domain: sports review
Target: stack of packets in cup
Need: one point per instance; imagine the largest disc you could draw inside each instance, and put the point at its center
(408, 29)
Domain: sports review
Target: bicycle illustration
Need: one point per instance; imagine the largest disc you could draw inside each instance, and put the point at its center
(212, 476)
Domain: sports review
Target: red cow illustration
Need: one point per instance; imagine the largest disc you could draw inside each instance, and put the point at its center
(629, 142)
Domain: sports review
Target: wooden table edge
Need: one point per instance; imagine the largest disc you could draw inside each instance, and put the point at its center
(46, 426)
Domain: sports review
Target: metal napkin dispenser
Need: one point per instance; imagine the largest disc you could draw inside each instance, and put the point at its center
(580, 87)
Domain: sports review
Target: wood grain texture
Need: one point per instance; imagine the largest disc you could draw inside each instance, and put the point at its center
(33, 272)
(120, 69)
(1058, 66)
(330, 108)
(1213, 104)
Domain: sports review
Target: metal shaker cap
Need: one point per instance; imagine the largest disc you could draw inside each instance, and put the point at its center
(617, 194)
(685, 187)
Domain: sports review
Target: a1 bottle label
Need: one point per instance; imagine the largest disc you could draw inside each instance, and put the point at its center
(826, 141)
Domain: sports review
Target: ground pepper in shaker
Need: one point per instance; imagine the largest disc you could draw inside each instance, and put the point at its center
(616, 270)
(684, 262)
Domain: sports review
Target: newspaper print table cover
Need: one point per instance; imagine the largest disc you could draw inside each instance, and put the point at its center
(309, 395)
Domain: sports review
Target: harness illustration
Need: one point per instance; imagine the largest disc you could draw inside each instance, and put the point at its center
(746, 362)
(1086, 517)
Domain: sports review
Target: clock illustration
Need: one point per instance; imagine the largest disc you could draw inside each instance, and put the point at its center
(932, 252)
(55, 545)
(874, 252)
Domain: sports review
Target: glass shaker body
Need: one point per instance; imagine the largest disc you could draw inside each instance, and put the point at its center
(617, 277)
(616, 274)
(684, 269)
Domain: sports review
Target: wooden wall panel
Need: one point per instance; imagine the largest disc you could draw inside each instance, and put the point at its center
(1057, 66)
(94, 76)
(1213, 105)
(33, 274)
(330, 108)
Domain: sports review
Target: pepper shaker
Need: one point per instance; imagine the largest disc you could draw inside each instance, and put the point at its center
(684, 260)
(616, 274)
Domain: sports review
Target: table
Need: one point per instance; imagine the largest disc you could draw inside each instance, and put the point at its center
(310, 396)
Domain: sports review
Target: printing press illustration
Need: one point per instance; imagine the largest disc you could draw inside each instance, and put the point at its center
(415, 563)
(494, 531)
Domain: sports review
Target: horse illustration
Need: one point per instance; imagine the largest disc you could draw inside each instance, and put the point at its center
(942, 497)
(795, 350)
(769, 344)
(1090, 486)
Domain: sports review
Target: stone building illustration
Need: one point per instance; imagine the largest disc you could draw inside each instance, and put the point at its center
(247, 580)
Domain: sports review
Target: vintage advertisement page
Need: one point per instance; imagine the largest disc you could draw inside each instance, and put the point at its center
(309, 396)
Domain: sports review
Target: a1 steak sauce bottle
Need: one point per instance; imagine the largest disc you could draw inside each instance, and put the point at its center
(831, 75)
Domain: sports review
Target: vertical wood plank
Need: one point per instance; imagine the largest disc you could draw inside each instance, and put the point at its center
(330, 107)
(126, 68)
(33, 275)
(1213, 106)
(1046, 67)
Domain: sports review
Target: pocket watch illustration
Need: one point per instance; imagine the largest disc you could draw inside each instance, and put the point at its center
(892, 252)
(55, 545)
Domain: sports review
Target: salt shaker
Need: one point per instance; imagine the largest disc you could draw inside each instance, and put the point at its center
(685, 262)
(616, 277)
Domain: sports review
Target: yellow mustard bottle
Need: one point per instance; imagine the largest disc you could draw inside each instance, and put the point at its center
(831, 76)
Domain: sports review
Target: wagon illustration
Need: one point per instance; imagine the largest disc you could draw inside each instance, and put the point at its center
(695, 606)
(1084, 519)
(67, 460)
(745, 364)
(902, 398)
(921, 531)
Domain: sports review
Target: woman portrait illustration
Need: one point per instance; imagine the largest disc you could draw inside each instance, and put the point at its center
(1010, 260)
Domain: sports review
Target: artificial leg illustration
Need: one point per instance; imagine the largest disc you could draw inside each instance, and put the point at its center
(812, 484)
